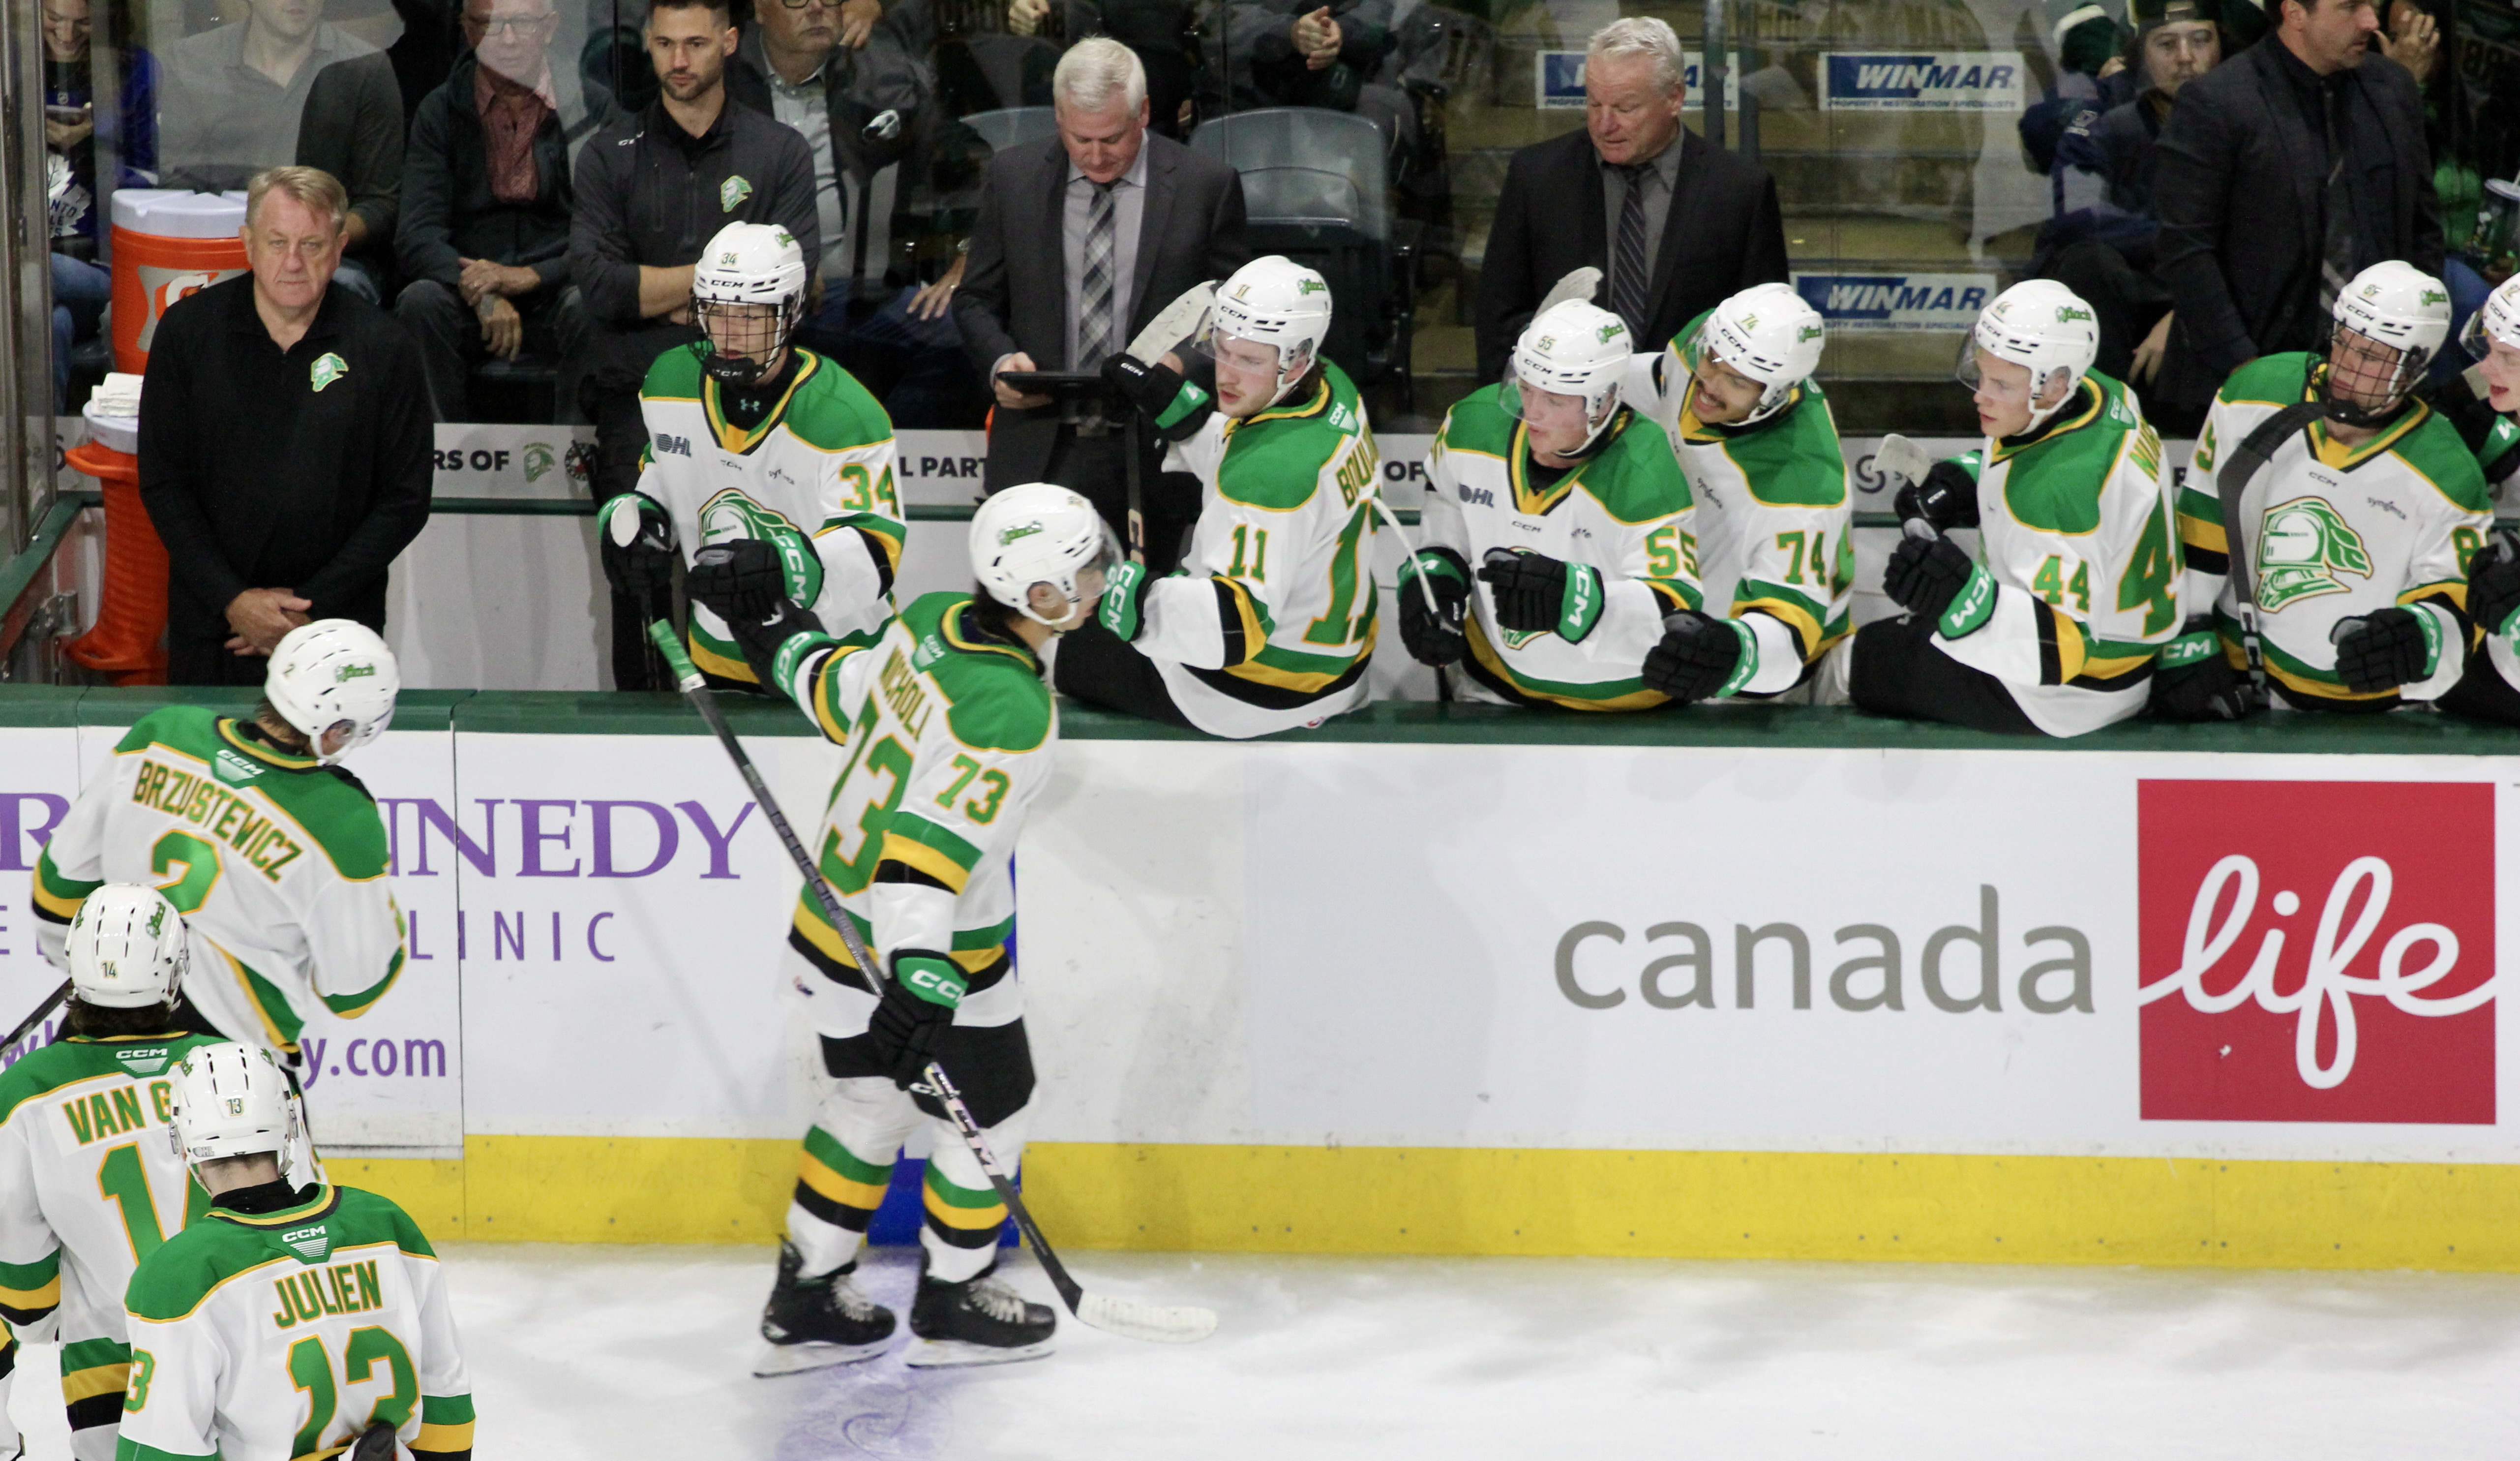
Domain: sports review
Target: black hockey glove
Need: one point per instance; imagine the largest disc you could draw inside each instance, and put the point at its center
(377, 1443)
(1434, 636)
(1537, 594)
(2192, 679)
(1926, 574)
(738, 580)
(1699, 657)
(1947, 498)
(1156, 390)
(913, 1011)
(2384, 650)
(2494, 583)
(636, 541)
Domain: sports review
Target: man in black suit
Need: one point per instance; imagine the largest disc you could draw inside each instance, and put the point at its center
(1080, 243)
(2282, 173)
(1675, 226)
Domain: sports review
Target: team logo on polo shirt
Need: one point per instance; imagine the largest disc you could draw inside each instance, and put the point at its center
(327, 369)
(733, 191)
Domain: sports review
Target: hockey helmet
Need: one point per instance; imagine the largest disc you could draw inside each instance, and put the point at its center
(332, 674)
(747, 291)
(2402, 316)
(1575, 350)
(127, 948)
(1767, 333)
(1276, 302)
(230, 1100)
(1039, 533)
(2044, 326)
(2497, 322)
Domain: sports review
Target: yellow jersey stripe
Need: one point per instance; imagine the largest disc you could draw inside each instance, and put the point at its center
(926, 859)
(719, 665)
(103, 1380)
(440, 1437)
(47, 1296)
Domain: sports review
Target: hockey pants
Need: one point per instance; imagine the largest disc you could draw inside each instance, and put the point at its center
(1894, 670)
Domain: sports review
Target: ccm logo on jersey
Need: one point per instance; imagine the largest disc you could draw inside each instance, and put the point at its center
(2317, 951)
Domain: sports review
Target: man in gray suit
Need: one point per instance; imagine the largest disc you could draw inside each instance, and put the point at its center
(1080, 241)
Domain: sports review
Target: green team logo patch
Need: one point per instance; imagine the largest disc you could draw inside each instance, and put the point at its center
(2066, 315)
(1305, 287)
(1018, 532)
(234, 769)
(731, 195)
(348, 672)
(731, 515)
(2302, 546)
(1809, 332)
(540, 459)
(327, 369)
(312, 1244)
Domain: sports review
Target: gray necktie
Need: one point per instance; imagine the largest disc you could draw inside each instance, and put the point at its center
(2338, 247)
(1630, 273)
(1094, 333)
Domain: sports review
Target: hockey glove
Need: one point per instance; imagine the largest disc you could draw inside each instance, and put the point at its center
(738, 580)
(2494, 583)
(376, 1443)
(1157, 390)
(2385, 650)
(1947, 498)
(913, 1011)
(1124, 600)
(2192, 679)
(1537, 594)
(637, 542)
(1933, 577)
(1434, 636)
(1701, 657)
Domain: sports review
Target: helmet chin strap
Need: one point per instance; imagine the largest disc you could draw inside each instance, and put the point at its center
(2040, 415)
(2346, 413)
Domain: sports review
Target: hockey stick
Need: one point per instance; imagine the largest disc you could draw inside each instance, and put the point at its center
(1170, 1325)
(1172, 324)
(2230, 483)
(50, 1004)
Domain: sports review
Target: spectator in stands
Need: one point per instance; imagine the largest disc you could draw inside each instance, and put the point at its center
(80, 289)
(2422, 35)
(486, 203)
(2282, 175)
(1603, 195)
(1297, 53)
(2100, 242)
(652, 188)
(2094, 77)
(284, 442)
(1137, 220)
(1162, 32)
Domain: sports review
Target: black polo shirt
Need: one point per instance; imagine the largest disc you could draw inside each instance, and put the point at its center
(306, 469)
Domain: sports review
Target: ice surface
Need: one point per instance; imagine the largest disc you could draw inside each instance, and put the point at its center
(625, 1353)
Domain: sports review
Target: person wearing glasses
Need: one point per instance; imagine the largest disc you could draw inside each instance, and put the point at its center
(486, 203)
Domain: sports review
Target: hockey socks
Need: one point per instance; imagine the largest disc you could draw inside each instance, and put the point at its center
(836, 1195)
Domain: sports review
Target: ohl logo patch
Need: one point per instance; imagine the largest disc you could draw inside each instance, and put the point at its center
(2317, 951)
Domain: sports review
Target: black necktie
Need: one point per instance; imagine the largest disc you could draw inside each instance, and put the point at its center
(1630, 272)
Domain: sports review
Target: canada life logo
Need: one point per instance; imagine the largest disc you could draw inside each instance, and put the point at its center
(2317, 951)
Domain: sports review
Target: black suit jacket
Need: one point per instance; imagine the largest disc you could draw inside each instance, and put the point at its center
(2239, 185)
(1015, 288)
(1725, 234)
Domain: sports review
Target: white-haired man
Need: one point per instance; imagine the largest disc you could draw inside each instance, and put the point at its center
(1610, 195)
(1079, 243)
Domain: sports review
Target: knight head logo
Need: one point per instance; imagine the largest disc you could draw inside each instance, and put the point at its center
(540, 459)
(731, 195)
(731, 515)
(327, 369)
(2302, 546)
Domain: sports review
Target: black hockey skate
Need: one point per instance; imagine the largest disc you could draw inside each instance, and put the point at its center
(815, 1322)
(980, 1321)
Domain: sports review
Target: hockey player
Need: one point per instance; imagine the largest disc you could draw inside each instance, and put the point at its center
(2360, 508)
(271, 849)
(1577, 518)
(770, 449)
(89, 1185)
(950, 732)
(283, 1322)
(2491, 688)
(2053, 627)
(1269, 621)
(1756, 439)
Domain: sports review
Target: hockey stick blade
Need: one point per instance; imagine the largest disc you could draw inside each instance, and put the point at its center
(1174, 324)
(1578, 284)
(1156, 1324)
(1902, 458)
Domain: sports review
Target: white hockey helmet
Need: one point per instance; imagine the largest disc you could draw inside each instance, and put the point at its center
(749, 264)
(2404, 311)
(2495, 322)
(332, 673)
(230, 1100)
(1039, 533)
(127, 948)
(1273, 300)
(1573, 349)
(1767, 333)
(2044, 326)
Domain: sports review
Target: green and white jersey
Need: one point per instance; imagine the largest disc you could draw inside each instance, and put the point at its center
(951, 733)
(277, 864)
(89, 1186)
(2336, 532)
(1269, 621)
(1774, 513)
(269, 1336)
(1625, 510)
(814, 479)
(2074, 529)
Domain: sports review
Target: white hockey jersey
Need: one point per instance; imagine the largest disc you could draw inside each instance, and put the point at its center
(260, 1336)
(1774, 514)
(2336, 532)
(1269, 621)
(951, 733)
(814, 479)
(277, 864)
(2075, 528)
(1625, 510)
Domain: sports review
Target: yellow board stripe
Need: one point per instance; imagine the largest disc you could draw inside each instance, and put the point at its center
(440, 1437)
(970, 1220)
(837, 1188)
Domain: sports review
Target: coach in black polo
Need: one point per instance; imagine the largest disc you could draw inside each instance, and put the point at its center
(285, 443)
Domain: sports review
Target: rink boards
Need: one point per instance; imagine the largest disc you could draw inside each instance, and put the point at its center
(1746, 983)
